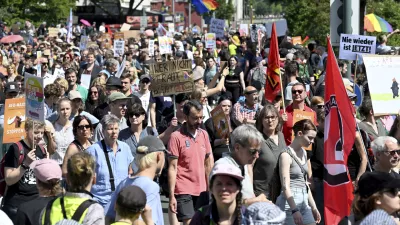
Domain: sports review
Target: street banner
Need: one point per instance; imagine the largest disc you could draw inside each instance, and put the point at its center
(34, 97)
(217, 27)
(351, 45)
(119, 48)
(171, 77)
(84, 42)
(340, 127)
(383, 82)
(14, 120)
(210, 39)
(221, 122)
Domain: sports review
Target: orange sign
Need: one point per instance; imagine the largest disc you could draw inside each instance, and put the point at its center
(221, 123)
(297, 40)
(302, 115)
(119, 36)
(14, 120)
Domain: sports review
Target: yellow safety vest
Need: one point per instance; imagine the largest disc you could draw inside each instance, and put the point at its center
(71, 204)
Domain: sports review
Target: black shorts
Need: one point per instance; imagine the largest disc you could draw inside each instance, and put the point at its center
(186, 206)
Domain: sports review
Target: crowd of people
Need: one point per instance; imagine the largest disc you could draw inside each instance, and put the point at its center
(106, 154)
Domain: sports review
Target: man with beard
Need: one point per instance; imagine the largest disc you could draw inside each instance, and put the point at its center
(245, 110)
(190, 162)
(150, 160)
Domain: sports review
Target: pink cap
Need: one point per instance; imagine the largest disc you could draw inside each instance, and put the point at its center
(46, 169)
(149, 33)
(228, 170)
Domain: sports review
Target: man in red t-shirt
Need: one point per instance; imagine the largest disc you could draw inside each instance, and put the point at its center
(297, 107)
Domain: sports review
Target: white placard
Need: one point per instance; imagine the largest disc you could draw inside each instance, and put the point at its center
(151, 47)
(119, 48)
(121, 68)
(217, 27)
(59, 73)
(351, 45)
(49, 79)
(244, 30)
(143, 21)
(210, 40)
(171, 27)
(34, 97)
(85, 80)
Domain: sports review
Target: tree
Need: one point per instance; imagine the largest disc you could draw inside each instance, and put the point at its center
(225, 10)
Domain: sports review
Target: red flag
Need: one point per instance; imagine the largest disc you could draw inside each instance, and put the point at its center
(340, 128)
(273, 81)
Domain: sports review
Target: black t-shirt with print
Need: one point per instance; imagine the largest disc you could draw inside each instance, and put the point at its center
(25, 189)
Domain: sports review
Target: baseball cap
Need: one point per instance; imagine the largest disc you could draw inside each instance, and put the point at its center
(198, 74)
(114, 81)
(263, 213)
(152, 143)
(378, 217)
(145, 76)
(74, 95)
(373, 182)
(46, 169)
(132, 198)
(12, 87)
(117, 96)
(228, 170)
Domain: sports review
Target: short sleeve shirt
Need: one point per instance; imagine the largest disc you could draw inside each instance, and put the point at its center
(191, 153)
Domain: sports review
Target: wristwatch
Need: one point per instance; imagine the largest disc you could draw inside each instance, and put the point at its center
(295, 210)
(24, 166)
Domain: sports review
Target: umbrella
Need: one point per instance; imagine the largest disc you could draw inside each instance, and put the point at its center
(374, 23)
(85, 22)
(11, 39)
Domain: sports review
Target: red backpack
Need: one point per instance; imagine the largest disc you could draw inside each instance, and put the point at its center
(3, 184)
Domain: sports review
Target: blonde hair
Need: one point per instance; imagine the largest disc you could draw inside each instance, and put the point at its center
(81, 169)
(62, 82)
(99, 81)
(143, 160)
(29, 123)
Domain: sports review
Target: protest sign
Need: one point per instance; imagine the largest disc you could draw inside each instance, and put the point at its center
(217, 27)
(59, 73)
(351, 45)
(171, 27)
(302, 115)
(53, 32)
(119, 48)
(106, 38)
(119, 36)
(49, 79)
(161, 31)
(125, 27)
(84, 42)
(383, 77)
(34, 97)
(85, 80)
(296, 40)
(171, 77)
(164, 46)
(131, 34)
(221, 122)
(281, 27)
(244, 30)
(210, 39)
(151, 47)
(14, 120)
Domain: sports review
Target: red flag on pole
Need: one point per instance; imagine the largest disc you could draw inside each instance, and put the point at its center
(340, 128)
(273, 81)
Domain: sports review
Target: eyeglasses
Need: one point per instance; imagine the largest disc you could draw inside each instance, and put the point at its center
(392, 153)
(81, 127)
(254, 151)
(297, 91)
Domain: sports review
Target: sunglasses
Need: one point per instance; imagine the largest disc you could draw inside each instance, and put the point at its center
(320, 106)
(254, 151)
(392, 153)
(137, 115)
(145, 81)
(84, 127)
(297, 91)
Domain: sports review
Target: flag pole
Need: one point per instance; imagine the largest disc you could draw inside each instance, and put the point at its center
(365, 150)
(283, 96)
(355, 71)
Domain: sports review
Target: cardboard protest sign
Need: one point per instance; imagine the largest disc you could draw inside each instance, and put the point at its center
(171, 77)
(383, 82)
(106, 38)
(84, 42)
(131, 34)
(244, 30)
(53, 32)
(302, 115)
(34, 96)
(151, 47)
(119, 36)
(119, 48)
(217, 27)
(210, 39)
(125, 27)
(221, 122)
(14, 120)
(351, 45)
(296, 40)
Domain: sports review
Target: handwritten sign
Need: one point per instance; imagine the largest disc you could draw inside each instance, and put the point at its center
(14, 120)
(351, 45)
(221, 122)
(302, 115)
(210, 40)
(53, 32)
(217, 27)
(164, 45)
(119, 48)
(34, 97)
(171, 77)
(119, 36)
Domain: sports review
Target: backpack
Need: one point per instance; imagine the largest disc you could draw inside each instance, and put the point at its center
(21, 157)
(258, 77)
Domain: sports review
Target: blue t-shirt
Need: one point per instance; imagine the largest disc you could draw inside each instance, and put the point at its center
(152, 190)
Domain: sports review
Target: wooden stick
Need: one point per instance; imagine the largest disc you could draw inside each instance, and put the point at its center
(283, 96)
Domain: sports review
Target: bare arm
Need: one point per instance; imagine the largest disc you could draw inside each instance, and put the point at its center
(208, 165)
(360, 149)
(172, 170)
(241, 76)
(284, 173)
(153, 114)
(13, 175)
(72, 150)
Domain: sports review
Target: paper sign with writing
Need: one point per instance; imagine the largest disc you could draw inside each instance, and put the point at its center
(84, 42)
(164, 46)
(171, 77)
(221, 122)
(14, 120)
(244, 30)
(171, 27)
(119, 48)
(34, 97)
(210, 39)
(151, 47)
(351, 45)
(49, 79)
(217, 27)
(59, 73)
(302, 115)
(53, 32)
(85, 80)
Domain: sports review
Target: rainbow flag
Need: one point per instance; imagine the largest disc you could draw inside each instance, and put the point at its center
(203, 6)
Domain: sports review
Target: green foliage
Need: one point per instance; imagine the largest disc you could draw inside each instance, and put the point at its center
(263, 8)
(51, 11)
(225, 10)
(390, 11)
